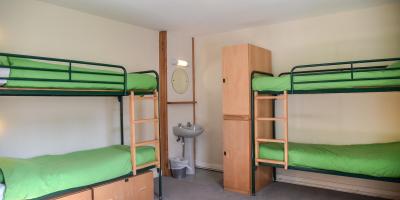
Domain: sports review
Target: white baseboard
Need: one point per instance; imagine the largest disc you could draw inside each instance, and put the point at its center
(331, 184)
(210, 166)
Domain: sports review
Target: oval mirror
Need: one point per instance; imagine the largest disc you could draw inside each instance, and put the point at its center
(180, 81)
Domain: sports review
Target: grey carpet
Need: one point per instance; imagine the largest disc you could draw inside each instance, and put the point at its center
(207, 185)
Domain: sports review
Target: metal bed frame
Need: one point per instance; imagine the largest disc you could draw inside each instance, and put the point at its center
(299, 71)
(4, 91)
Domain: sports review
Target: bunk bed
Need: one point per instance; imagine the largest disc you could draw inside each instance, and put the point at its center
(53, 175)
(369, 161)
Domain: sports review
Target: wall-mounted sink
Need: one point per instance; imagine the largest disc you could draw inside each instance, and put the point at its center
(187, 134)
(188, 131)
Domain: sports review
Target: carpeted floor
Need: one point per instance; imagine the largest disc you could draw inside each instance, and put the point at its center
(207, 185)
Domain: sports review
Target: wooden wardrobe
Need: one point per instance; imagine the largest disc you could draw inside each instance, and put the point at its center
(238, 62)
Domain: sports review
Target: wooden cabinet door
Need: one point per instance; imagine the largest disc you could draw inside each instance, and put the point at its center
(139, 187)
(237, 155)
(236, 80)
(118, 190)
(82, 195)
(143, 186)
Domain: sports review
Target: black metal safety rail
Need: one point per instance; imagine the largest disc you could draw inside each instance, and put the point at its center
(351, 70)
(70, 71)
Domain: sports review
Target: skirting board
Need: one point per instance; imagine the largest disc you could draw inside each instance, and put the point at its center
(204, 165)
(343, 184)
(331, 182)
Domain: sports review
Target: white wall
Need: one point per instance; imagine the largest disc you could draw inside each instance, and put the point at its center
(40, 125)
(179, 46)
(335, 118)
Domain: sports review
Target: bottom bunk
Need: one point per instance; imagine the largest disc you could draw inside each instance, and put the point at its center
(377, 161)
(45, 175)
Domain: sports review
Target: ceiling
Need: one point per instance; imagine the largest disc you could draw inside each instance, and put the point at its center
(199, 17)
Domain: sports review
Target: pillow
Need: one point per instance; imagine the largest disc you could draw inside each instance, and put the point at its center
(24, 62)
(394, 65)
(4, 61)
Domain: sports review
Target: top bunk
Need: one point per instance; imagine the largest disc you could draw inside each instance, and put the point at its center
(378, 75)
(23, 75)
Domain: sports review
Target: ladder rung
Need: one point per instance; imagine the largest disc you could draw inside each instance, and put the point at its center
(145, 120)
(270, 118)
(277, 162)
(146, 143)
(146, 97)
(270, 97)
(271, 140)
(147, 165)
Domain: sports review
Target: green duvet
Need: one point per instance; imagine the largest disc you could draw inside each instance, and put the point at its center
(379, 160)
(134, 81)
(282, 83)
(39, 176)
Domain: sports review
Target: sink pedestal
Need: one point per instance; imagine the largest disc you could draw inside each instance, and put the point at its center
(188, 154)
(188, 133)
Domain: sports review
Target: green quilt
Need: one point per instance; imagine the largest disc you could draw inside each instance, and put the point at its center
(379, 160)
(39, 176)
(135, 81)
(282, 83)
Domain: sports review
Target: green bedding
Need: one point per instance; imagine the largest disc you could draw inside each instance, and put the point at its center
(134, 81)
(39, 176)
(282, 83)
(379, 160)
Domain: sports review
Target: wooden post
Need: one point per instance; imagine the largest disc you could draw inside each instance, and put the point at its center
(257, 146)
(194, 82)
(194, 94)
(286, 128)
(133, 135)
(156, 129)
(163, 102)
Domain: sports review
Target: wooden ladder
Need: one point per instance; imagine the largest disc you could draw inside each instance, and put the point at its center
(284, 119)
(134, 122)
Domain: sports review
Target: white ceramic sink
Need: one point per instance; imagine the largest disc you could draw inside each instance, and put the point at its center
(188, 131)
(186, 134)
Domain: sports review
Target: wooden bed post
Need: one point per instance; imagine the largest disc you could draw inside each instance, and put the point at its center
(286, 128)
(133, 134)
(156, 129)
(257, 144)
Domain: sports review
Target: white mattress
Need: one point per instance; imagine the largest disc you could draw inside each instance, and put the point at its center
(2, 189)
(4, 73)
